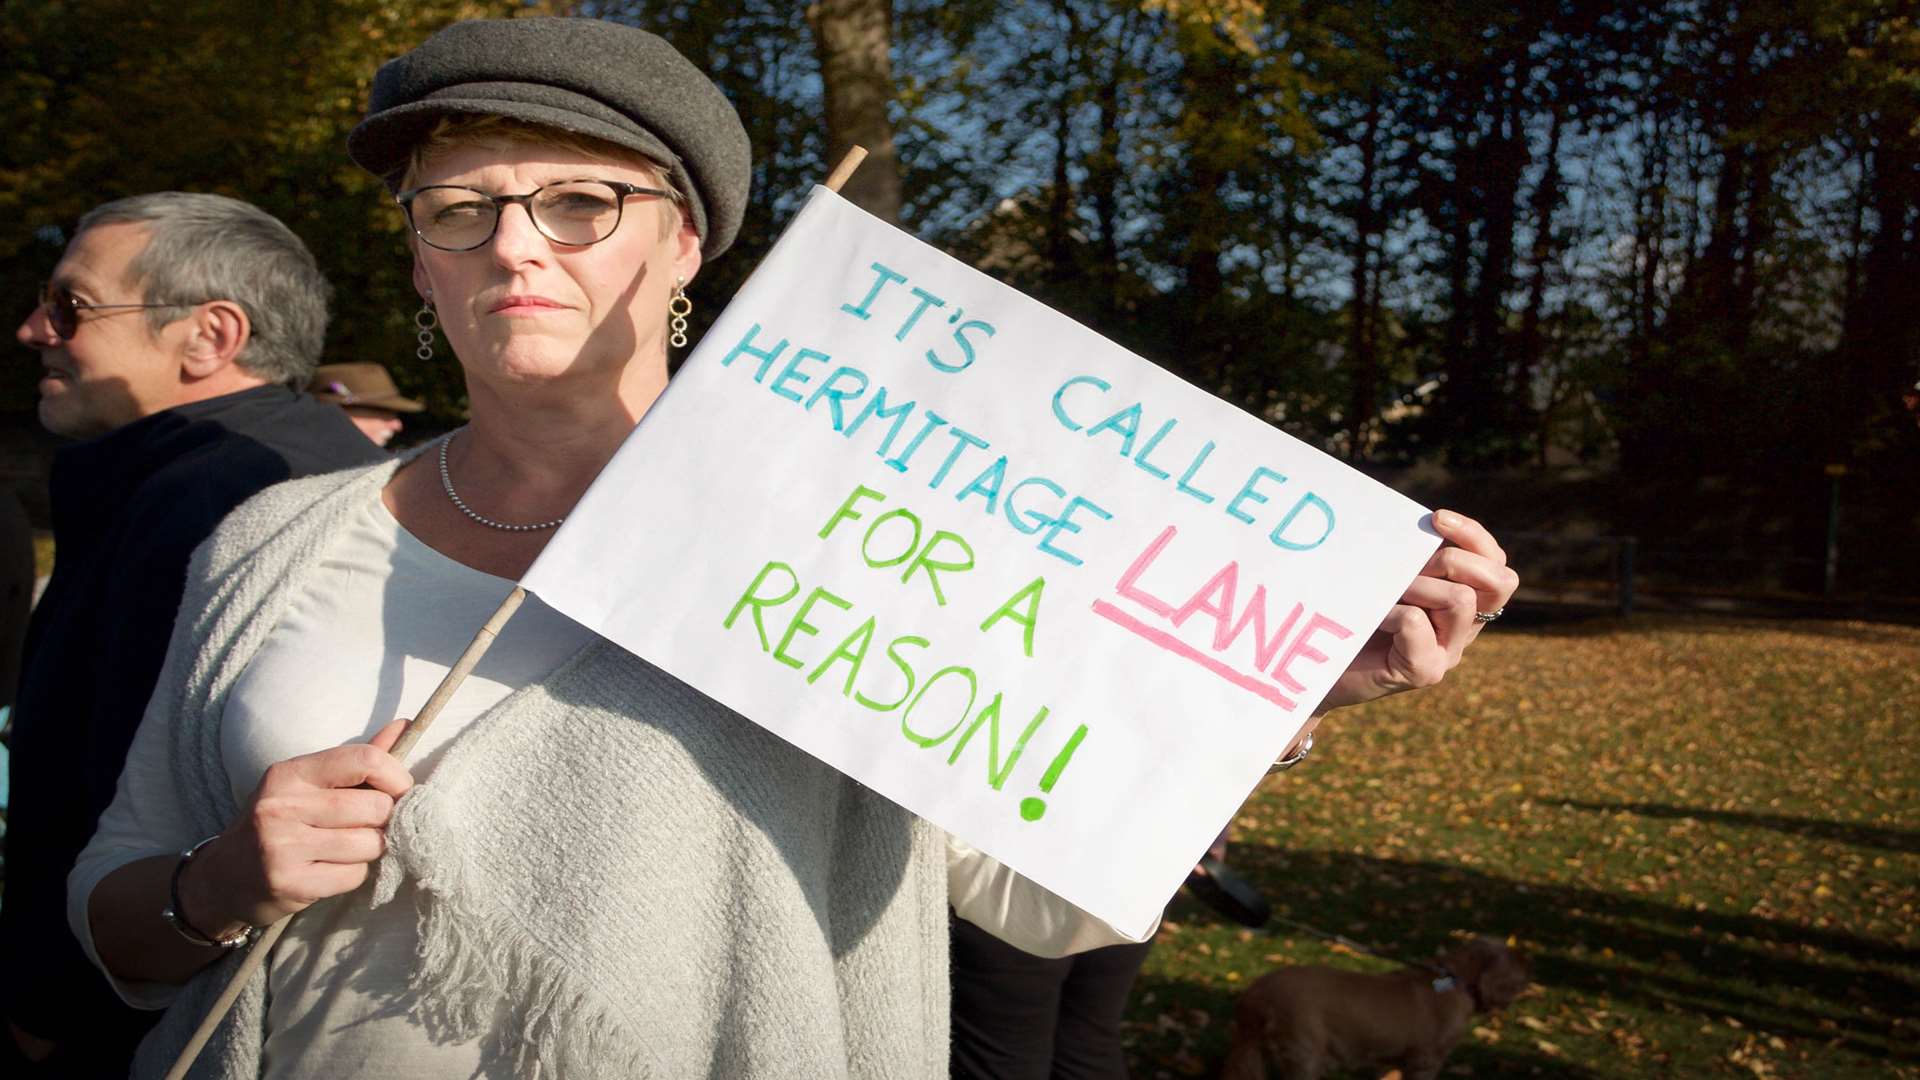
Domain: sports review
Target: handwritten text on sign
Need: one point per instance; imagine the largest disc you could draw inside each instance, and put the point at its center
(993, 566)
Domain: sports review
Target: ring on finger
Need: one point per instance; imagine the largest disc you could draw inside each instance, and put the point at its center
(1489, 616)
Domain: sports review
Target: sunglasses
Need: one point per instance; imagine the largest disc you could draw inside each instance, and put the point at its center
(63, 308)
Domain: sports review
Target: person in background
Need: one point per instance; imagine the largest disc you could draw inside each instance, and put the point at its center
(366, 391)
(170, 338)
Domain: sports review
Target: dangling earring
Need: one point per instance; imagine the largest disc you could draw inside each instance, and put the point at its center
(679, 307)
(424, 321)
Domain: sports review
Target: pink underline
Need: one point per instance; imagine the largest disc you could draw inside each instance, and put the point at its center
(1180, 648)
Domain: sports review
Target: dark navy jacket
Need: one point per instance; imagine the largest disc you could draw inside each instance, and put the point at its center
(129, 507)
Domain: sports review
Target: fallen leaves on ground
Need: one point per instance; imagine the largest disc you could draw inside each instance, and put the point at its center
(1705, 832)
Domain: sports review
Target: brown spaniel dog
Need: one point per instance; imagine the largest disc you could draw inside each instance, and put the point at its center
(1301, 1022)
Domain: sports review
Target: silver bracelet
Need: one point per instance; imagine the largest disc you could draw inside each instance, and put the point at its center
(173, 911)
(1299, 755)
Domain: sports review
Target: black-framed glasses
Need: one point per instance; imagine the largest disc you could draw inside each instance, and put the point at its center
(64, 308)
(571, 212)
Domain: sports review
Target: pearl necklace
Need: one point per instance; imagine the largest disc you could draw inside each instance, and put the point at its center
(446, 485)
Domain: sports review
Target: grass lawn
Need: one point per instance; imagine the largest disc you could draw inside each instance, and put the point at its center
(1705, 832)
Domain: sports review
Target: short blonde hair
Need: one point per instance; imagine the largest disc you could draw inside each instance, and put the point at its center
(499, 132)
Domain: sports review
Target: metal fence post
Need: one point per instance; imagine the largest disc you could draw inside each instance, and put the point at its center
(1627, 544)
(1834, 473)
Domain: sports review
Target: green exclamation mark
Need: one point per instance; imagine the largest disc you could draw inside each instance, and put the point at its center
(1031, 807)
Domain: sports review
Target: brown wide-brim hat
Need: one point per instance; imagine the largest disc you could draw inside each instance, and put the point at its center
(366, 385)
(612, 82)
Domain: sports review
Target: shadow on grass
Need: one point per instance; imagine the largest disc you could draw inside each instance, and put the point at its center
(1772, 976)
(1812, 828)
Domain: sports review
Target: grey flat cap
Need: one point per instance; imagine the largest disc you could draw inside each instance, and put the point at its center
(612, 82)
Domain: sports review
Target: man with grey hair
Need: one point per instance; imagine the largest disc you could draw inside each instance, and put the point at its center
(174, 335)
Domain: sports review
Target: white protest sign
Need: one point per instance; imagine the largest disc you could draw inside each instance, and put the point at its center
(1000, 570)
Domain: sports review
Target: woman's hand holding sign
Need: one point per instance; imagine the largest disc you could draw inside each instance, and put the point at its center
(1461, 588)
(313, 829)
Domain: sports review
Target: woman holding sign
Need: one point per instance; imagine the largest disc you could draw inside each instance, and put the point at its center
(601, 873)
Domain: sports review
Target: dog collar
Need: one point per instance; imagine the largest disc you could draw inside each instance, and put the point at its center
(1446, 981)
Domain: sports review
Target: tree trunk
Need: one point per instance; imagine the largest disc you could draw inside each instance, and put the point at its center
(1457, 397)
(1880, 345)
(1649, 242)
(1546, 202)
(1361, 356)
(1857, 231)
(1287, 214)
(1060, 268)
(1713, 287)
(1202, 82)
(1503, 163)
(1756, 234)
(1103, 167)
(853, 38)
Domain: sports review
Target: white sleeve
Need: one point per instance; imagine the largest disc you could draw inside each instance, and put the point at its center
(145, 819)
(988, 894)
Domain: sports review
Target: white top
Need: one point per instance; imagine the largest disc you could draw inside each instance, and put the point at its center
(368, 639)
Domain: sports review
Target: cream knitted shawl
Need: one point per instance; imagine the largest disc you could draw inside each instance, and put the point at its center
(616, 876)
